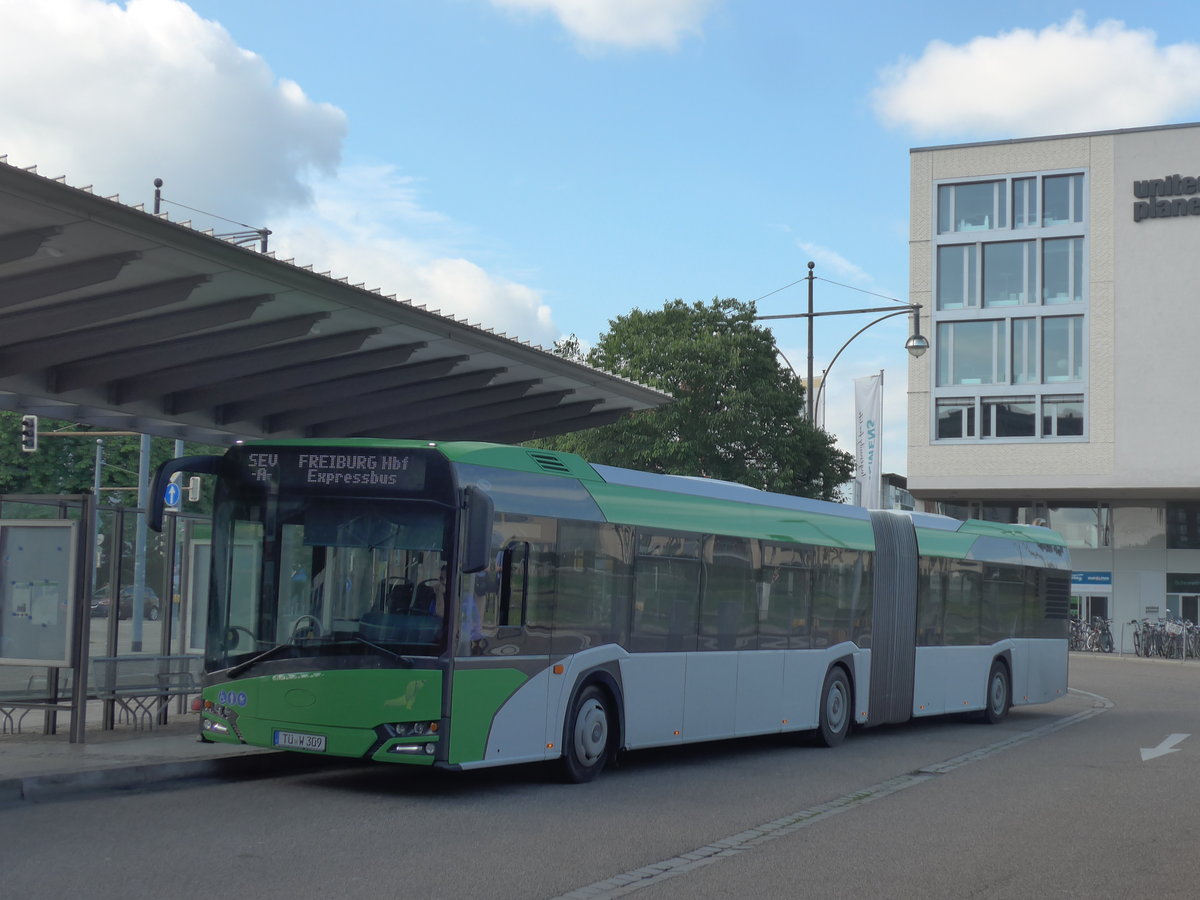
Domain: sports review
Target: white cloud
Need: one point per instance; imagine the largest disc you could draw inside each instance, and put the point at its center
(831, 259)
(117, 96)
(1062, 79)
(356, 229)
(623, 23)
(121, 96)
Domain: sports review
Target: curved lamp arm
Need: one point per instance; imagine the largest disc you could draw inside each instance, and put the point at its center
(821, 390)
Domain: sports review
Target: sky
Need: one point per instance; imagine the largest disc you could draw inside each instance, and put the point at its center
(542, 167)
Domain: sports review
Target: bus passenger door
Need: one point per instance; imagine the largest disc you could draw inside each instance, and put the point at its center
(501, 667)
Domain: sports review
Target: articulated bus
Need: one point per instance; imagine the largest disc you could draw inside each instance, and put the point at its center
(460, 605)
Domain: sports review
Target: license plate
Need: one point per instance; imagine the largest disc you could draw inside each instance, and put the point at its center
(295, 740)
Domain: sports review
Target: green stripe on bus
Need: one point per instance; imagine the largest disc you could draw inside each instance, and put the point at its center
(478, 696)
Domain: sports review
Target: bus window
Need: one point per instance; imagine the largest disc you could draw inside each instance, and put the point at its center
(728, 612)
(594, 585)
(666, 592)
(964, 592)
(507, 609)
(931, 601)
(841, 596)
(784, 597)
(1003, 593)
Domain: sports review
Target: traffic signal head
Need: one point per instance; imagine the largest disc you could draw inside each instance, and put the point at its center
(28, 433)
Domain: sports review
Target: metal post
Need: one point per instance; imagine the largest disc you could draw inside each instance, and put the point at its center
(158, 183)
(139, 557)
(810, 392)
(83, 620)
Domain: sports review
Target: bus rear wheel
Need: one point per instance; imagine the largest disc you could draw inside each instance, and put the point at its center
(835, 708)
(998, 698)
(586, 736)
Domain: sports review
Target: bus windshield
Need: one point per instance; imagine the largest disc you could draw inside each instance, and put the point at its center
(309, 576)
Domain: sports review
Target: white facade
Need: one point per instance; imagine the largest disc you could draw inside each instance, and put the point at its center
(1058, 278)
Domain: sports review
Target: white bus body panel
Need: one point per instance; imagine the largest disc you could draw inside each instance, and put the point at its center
(1043, 677)
(952, 679)
(653, 684)
(710, 699)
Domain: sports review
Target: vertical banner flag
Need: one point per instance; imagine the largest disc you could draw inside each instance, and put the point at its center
(868, 421)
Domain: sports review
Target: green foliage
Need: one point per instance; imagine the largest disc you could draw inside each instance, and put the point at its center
(738, 415)
(65, 465)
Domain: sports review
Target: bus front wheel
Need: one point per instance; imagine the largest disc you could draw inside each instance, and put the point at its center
(586, 736)
(997, 700)
(835, 708)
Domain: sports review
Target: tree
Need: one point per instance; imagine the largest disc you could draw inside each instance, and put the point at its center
(67, 465)
(737, 416)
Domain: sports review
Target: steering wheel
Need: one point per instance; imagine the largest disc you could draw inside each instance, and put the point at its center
(232, 639)
(315, 626)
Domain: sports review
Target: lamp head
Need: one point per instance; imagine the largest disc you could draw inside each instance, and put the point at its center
(916, 345)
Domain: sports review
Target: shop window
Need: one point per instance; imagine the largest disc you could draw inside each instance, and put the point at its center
(1183, 526)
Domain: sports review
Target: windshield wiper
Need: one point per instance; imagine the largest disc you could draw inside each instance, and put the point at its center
(254, 660)
(408, 663)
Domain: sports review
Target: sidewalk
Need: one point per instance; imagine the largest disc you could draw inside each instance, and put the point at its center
(37, 767)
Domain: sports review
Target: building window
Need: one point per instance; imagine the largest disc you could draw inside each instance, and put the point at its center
(971, 353)
(1062, 348)
(978, 206)
(957, 276)
(1183, 526)
(1062, 199)
(1025, 214)
(956, 418)
(1009, 273)
(1062, 270)
(1009, 417)
(1024, 351)
(1062, 416)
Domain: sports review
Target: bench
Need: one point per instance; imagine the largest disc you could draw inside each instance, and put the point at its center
(139, 685)
(142, 685)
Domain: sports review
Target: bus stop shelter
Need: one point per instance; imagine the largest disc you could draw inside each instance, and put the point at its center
(114, 317)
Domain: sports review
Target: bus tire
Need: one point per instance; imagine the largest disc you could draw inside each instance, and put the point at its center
(835, 708)
(587, 735)
(999, 693)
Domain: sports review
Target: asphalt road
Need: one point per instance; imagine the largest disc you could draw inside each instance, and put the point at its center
(1054, 802)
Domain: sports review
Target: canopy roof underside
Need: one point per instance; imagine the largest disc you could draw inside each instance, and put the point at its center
(114, 317)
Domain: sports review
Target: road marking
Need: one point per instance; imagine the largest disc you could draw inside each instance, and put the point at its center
(652, 874)
(1167, 746)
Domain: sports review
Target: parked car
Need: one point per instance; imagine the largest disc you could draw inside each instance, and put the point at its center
(151, 607)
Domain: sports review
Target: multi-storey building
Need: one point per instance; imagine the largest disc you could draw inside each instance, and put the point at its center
(1060, 279)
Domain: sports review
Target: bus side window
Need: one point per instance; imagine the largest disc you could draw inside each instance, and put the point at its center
(514, 585)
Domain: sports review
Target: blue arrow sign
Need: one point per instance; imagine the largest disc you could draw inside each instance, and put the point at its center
(172, 494)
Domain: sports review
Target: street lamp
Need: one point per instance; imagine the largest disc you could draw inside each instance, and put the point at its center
(916, 344)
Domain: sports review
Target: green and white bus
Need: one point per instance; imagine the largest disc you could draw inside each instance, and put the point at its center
(461, 605)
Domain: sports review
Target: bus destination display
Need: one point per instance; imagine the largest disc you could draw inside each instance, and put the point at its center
(335, 470)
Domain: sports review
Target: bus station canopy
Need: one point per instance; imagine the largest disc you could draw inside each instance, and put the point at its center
(114, 317)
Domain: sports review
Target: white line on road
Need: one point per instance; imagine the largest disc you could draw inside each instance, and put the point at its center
(1167, 746)
(645, 876)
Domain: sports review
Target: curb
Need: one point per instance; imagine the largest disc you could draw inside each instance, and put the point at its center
(58, 785)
